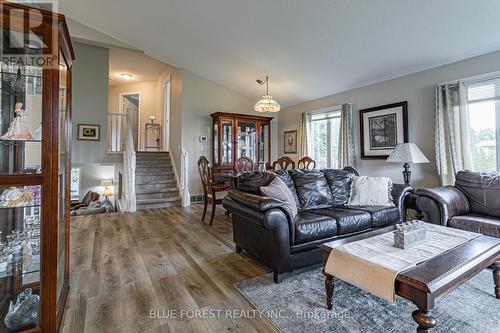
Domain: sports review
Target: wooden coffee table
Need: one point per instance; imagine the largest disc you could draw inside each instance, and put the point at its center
(427, 281)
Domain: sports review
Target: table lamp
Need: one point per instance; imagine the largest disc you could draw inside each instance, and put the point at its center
(107, 191)
(407, 153)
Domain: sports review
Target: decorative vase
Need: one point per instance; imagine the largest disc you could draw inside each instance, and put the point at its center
(24, 311)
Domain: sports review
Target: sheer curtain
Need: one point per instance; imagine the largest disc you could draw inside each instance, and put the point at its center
(346, 142)
(305, 134)
(452, 131)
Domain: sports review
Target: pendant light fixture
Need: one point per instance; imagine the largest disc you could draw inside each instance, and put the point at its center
(267, 103)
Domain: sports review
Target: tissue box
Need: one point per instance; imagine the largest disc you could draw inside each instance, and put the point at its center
(407, 239)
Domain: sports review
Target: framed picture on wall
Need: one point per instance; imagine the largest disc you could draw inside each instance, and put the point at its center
(382, 128)
(290, 139)
(88, 132)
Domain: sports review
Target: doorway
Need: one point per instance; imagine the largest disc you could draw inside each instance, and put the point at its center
(166, 113)
(130, 106)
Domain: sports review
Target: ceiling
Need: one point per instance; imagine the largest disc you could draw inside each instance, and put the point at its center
(141, 67)
(308, 48)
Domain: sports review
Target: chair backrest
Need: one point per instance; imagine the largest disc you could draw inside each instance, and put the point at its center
(283, 163)
(205, 172)
(307, 163)
(244, 164)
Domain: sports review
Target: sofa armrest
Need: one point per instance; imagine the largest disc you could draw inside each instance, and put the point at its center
(399, 193)
(439, 204)
(256, 202)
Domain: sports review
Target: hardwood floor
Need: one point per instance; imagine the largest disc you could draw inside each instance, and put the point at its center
(124, 265)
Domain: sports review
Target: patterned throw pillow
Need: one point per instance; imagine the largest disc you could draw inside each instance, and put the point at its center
(371, 191)
(277, 189)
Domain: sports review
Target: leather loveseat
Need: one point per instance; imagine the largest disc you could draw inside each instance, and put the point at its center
(265, 229)
(473, 204)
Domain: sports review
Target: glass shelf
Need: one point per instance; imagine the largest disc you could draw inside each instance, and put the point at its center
(3, 141)
(34, 204)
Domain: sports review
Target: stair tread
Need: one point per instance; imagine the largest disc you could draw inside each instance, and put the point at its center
(159, 190)
(158, 200)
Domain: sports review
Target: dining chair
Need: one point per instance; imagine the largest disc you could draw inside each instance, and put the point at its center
(284, 163)
(244, 164)
(213, 192)
(307, 163)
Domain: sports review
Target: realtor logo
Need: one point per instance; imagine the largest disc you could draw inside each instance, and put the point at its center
(29, 37)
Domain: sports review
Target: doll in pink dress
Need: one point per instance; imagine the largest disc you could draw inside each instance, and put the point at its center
(18, 129)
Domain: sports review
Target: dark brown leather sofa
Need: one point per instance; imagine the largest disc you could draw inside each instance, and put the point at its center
(265, 229)
(473, 204)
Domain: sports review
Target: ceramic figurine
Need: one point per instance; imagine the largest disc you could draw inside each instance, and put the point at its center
(14, 196)
(18, 129)
(23, 312)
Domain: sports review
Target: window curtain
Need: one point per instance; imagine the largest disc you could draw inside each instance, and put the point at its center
(452, 131)
(305, 134)
(346, 141)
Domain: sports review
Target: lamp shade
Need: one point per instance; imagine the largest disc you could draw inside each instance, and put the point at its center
(107, 193)
(407, 153)
(106, 183)
(267, 104)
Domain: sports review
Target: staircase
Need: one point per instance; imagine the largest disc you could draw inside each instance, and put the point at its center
(155, 182)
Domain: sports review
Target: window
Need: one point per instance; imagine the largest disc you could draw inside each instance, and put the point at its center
(75, 183)
(324, 134)
(484, 118)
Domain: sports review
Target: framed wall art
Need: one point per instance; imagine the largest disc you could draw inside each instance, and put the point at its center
(382, 128)
(290, 139)
(88, 132)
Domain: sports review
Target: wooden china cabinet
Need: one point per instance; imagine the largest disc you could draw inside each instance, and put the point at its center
(35, 126)
(236, 135)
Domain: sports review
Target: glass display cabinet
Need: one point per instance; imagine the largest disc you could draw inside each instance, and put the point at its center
(35, 131)
(236, 135)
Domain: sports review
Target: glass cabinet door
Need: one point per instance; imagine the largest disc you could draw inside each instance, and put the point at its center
(63, 179)
(216, 143)
(264, 143)
(20, 119)
(247, 140)
(227, 141)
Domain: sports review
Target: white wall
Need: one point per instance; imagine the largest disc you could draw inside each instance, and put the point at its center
(147, 103)
(418, 90)
(200, 98)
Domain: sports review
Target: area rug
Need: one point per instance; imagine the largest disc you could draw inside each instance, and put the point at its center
(298, 305)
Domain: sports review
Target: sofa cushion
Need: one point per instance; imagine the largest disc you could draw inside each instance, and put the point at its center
(482, 189)
(381, 215)
(312, 189)
(310, 227)
(371, 191)
(277, 189)
(348, 220)
(288, 180)
(476, 223)
(252, 181)
(339, 182)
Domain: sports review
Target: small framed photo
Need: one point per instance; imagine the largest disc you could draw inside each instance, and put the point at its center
(382, 128)
(290, 142)
(88, 132)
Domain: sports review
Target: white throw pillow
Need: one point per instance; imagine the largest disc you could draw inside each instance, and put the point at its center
(371, 191)
(277, 189)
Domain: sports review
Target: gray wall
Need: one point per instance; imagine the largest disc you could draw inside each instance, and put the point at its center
(200, 98)
(90, 100)
(418, 90)
(90, 105)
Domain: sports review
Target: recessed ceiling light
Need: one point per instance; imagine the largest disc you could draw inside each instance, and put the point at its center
(127, 76)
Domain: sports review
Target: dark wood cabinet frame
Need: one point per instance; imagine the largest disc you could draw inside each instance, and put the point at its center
(235, 118)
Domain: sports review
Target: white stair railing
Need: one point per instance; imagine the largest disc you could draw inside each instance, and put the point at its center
(186, 197)
(129, 161)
